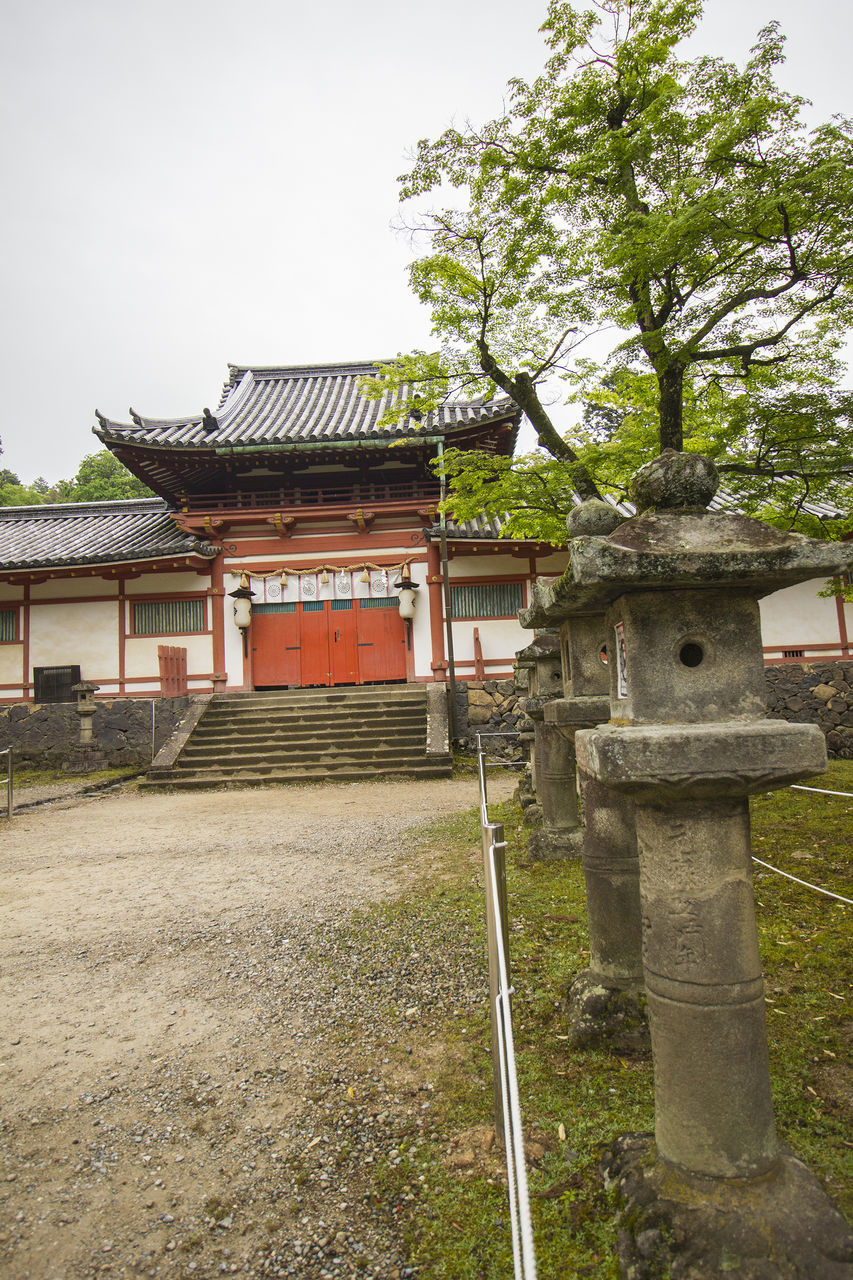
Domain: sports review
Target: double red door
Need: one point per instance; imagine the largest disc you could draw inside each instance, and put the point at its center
(327, 642)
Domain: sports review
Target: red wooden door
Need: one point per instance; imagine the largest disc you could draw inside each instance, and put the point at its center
(381, 641)
(342, 642)
(275, 645)
(314, 620)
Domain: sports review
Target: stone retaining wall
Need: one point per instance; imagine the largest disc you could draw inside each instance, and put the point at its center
(46, 734)
(491, 706)
(819, 693)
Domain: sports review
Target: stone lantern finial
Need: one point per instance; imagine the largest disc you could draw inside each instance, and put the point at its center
(674, 482)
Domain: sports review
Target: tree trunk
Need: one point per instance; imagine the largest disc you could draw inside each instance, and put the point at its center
(671, 388)
(522, 390)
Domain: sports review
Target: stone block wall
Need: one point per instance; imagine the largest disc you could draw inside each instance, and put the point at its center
(45, 734)
(491, 706)
(817, 693)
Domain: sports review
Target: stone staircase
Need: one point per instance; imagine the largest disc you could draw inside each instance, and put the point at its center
(308, 735)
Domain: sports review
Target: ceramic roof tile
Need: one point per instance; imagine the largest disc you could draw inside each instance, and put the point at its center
(78, 533)
(303, 404)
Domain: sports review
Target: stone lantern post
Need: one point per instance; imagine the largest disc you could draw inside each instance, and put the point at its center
(605, 1004)
(85, 757)
(553, 755)
(85, 709)
(688, 741)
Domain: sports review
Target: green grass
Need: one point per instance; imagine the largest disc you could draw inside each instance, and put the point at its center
(458, 1227)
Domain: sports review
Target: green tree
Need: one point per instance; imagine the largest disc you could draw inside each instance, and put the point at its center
(101, 477)
(685, 205)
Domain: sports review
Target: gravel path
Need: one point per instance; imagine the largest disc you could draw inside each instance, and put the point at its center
(203, 1063)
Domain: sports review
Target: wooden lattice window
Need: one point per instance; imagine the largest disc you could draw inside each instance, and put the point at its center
(167, 617)
(54, 684)
(487, 600)
(8, 625)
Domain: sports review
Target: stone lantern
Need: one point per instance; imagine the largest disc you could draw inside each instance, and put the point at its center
(689, 742)
(552, 759)
(85, 757)
(86, 708)
(605, 1004)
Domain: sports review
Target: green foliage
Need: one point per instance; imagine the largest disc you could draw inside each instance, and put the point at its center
(100, 477)
(684, 205)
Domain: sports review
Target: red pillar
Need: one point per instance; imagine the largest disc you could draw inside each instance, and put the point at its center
(217, 619)
(436, 611)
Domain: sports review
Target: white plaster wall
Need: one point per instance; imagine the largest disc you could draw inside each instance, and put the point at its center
(552, 566)
(8, 591)
(11, 658)
(489, 566)
(64, 634)
(157, 584)
(797, 616)
(499, 638)
(140, 655)
(62, 588)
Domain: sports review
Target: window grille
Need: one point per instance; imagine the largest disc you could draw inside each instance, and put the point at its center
(8, 624)
(284, 607)
(313, 606)
(793, 653)
(337, 605)
(54, 684)
(486, 600)
(379, 602)
(167, 617)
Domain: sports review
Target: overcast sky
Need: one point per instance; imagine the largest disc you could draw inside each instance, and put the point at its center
(193, 182)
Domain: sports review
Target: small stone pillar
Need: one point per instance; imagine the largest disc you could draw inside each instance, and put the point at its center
(688, 740)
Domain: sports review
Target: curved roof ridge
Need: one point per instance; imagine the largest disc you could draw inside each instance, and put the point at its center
(103, 506)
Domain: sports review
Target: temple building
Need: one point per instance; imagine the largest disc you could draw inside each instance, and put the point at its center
(295, 541)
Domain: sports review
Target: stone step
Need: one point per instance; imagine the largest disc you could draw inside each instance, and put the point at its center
(371, 695)
(302, 730)
(307, 735)
(383, 754)
(327, 719)
(433, 767)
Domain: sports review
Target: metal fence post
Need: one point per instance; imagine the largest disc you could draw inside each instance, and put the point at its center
(493, 837)
(9, 781)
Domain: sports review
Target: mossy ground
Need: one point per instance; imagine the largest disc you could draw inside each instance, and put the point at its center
(26, 776)
(572, 1102)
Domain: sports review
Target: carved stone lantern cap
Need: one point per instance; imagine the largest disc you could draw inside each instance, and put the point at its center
(676, 543)
(85, 686)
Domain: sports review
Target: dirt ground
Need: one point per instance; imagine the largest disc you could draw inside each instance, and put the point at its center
(167, 1055)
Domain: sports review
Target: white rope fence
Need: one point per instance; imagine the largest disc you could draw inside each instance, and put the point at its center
(505, 1076)
(524, 1259)
(820, 791)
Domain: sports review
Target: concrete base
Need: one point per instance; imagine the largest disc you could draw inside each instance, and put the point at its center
(602, 1015)
(548, 845)
(781, 1226)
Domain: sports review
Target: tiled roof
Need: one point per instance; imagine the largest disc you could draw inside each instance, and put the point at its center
(78, 533)
(312, 404)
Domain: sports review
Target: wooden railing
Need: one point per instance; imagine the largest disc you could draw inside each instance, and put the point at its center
(303, 496)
